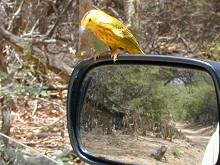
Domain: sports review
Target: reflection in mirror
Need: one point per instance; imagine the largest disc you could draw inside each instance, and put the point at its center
(146, 114)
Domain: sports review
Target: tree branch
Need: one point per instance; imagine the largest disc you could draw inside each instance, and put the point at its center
(15, 15)
(50, 32)
(50, 62)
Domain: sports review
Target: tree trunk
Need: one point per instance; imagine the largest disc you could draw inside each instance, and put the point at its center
(132, 9)
(84, 47)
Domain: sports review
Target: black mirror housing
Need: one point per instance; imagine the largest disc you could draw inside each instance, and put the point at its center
(78, 87)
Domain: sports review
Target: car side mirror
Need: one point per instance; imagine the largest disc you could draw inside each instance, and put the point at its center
(144, 109)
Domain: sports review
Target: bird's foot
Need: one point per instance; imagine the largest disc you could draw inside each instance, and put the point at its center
(95, 56)
(115, 54)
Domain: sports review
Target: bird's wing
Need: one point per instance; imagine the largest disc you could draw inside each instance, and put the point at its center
(126, 36)
(129, 38)
(119, 29)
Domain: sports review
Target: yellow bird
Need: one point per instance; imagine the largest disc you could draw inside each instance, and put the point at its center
(112, 32)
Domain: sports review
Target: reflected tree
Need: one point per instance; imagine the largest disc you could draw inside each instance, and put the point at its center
(137, 99)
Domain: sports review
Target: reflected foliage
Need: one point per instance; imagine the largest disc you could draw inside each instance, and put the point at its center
(146, 101)
(153, 93)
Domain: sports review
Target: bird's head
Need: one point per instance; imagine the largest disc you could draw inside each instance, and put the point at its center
(90, 19)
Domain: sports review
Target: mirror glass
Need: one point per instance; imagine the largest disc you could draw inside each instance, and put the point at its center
(148, 114)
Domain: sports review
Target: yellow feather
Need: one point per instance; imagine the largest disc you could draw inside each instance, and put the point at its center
(110, 31)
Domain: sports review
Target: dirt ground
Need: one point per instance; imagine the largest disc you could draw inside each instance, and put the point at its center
(41, 125)
(45, 131)
(135, 148)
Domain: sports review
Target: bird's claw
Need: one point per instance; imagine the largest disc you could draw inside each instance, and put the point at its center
(114, 56)
(95, 56)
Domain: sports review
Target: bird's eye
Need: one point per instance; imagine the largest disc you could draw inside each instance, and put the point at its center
(90, 19)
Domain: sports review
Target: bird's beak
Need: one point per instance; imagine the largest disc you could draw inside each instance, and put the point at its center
(81, 30)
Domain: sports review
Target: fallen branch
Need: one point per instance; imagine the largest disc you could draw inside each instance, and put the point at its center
(42, 134)
(25, 146)
(50, 62)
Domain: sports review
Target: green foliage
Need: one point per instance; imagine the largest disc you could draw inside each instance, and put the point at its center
(3, 76)
(27, 48)
(212, 48)
(22, 83)
(156, 92)
(12, 91)
(201, 103)
(175, 151)
(192, 98)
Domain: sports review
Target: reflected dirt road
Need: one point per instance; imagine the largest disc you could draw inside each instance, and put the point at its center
(135, 148)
